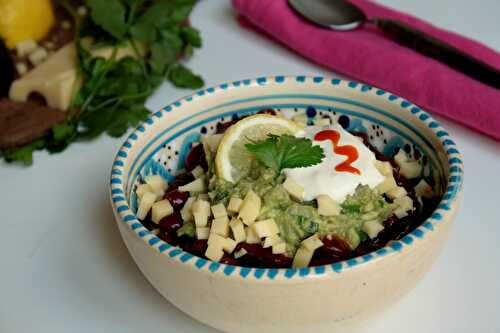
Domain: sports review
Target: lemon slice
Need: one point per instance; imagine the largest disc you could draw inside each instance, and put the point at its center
(21, 20)
(233, 160)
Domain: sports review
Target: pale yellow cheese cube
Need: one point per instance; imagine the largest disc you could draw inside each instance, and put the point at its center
(423, 189)
(197, 185)
(186, 211)
(404, 205)
(312, 243)
(250, 208)
(26, 47)
(234, 204)
(202, 232)
(251, 236)
(384, 167)
(161, 209)
(216, 240)
(302, 258)
(410, 170)
(271, 240)
(143, 188)
(265, 228)
(201, 212)
(327, 206)
(238, 230)
(219, 210)
(220, 226)
(396, 192)
(279, 248)
(214, 253)
(372, 228)
(157, 183)
(229, 245)
(211, 141)
(147, 201)
(386, 185)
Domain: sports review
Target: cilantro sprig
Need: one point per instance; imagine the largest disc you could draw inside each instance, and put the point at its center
(113, 90)
(286, 151)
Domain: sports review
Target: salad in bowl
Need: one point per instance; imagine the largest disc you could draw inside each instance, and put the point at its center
(286, 204)
(267, 191)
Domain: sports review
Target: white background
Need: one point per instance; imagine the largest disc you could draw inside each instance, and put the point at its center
(64, 267)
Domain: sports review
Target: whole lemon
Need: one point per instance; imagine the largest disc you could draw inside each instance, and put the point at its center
(25, 19)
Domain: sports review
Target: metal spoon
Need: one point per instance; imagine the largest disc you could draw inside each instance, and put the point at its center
(342, 15)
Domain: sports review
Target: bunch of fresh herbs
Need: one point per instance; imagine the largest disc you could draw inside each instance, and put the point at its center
(113, 91)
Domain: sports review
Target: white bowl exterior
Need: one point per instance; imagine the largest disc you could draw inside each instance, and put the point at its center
(329, 300)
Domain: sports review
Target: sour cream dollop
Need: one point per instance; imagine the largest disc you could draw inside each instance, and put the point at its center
(333, 176)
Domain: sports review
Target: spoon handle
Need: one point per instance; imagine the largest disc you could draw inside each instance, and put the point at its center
(440, 51)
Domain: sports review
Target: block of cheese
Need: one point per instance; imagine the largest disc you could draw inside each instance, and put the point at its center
(55, 79)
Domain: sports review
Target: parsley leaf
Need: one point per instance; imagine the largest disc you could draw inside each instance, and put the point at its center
(286, 151)
(23, 154)
(182, 76)
(110, 15)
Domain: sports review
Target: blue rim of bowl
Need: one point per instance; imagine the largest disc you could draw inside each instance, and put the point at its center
(123, 211)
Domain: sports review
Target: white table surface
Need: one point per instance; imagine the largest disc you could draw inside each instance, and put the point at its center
(64, 267)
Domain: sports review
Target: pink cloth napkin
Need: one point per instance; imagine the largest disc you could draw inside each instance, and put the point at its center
(365, 54)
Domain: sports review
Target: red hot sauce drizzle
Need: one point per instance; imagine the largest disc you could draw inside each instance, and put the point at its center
(349, 151)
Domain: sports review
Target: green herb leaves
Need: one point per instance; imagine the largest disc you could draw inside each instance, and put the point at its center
(109, 15)
(154, 35)
(286, 151)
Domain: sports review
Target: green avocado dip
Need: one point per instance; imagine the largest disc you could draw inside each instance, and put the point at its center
(299, 220)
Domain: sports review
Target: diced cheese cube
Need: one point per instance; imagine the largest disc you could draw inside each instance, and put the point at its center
(220, 226)
(404, 205)
(26, 47)
(186, 211)
(423, 189)
(217, 240)
(279, 248)
(38, 56)
(197, 185)
(327, 206)
(396, 192)
(240, 253)
(384, 167)
(238, 230)
(410, 169)
(250, 208)
(156, 231)
(400, 157)
(251, 236)
(214, 252)
(211, 141)
(198, 172)
(369, 216)
(219, 211)
(202, 232)
(229, 245)
(147, 201)
(302, 258)
(386, 185)
(265, 228)
(372, 228)
(141, 189)
(312, 243)
(234, 204)
(294, 189)
(201, 212)
(160, 209)
(82, 10)
(157, 183)
(271, 240)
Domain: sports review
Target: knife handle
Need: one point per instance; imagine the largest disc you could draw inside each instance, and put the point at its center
(440, 51)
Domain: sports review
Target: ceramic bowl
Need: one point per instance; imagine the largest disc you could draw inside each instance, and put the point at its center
(318, 299)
